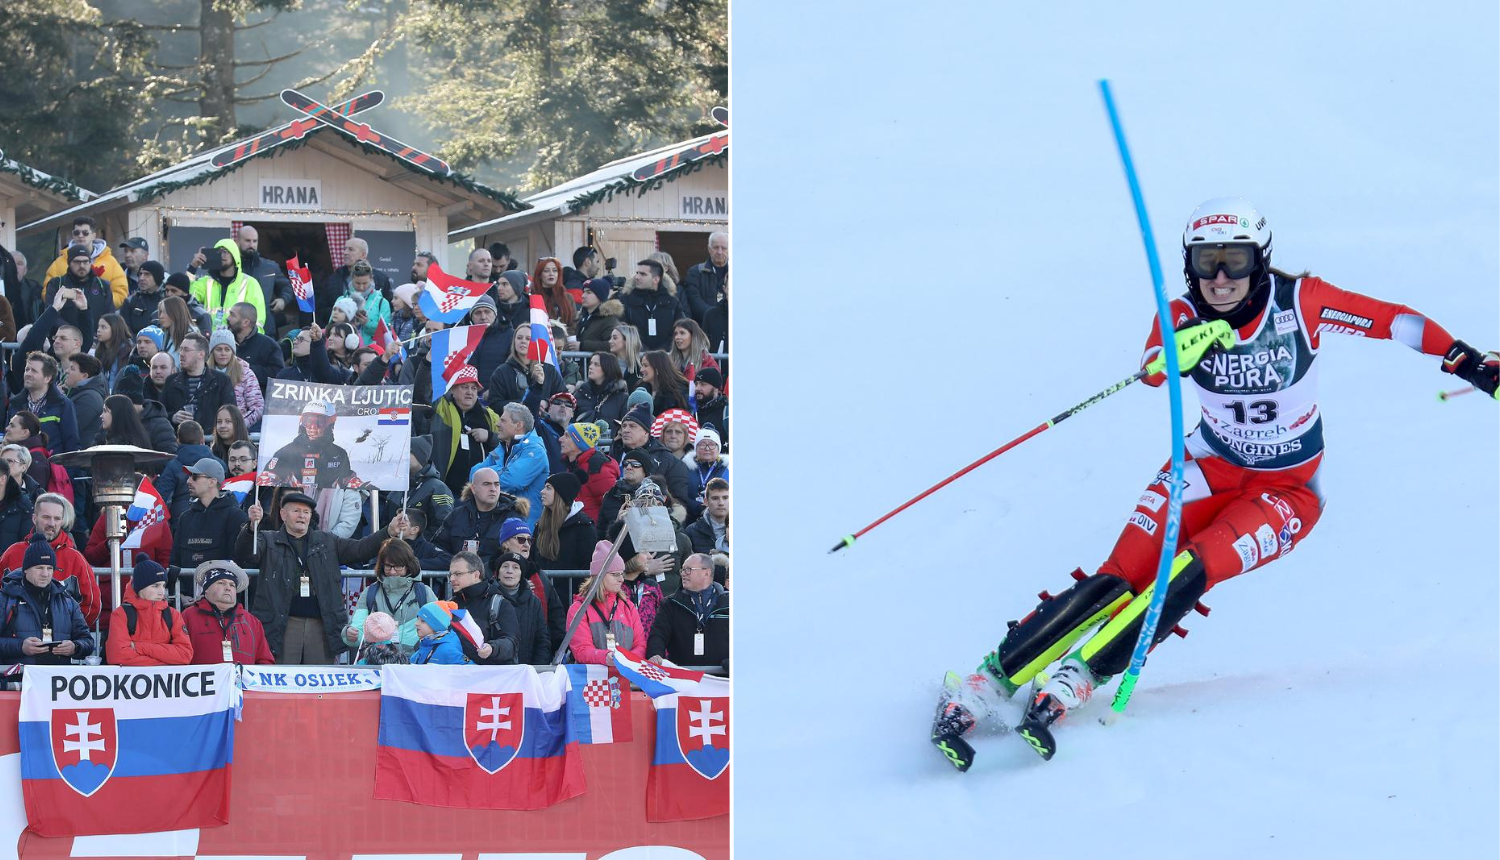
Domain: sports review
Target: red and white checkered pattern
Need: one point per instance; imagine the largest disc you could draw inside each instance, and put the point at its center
(597, 694)
(338, 234)
(680, 416)
(234, 229)
(465, 373)
(652, 671)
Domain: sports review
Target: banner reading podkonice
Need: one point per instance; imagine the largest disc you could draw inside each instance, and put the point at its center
(319, 437)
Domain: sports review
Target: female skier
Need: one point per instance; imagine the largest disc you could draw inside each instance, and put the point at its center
(1250, 492)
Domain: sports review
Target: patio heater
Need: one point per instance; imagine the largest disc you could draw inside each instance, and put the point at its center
(113, 468)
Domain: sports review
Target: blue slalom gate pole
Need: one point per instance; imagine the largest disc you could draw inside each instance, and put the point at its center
(1174, 388)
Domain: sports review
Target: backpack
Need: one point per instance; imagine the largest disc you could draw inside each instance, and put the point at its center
(131, 617)
(370, 596)
(58, 479)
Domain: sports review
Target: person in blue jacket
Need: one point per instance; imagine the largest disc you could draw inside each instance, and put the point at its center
(438, 643)
(520, 459)
(40, 623)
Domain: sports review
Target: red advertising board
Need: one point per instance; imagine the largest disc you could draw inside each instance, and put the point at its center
(304, 773)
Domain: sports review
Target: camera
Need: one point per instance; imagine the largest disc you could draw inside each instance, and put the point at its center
(617, 280)
(610, 263)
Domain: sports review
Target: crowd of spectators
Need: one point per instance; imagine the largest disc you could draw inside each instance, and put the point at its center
(520, 472)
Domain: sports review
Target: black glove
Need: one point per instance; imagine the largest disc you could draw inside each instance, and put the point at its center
(1481, 370)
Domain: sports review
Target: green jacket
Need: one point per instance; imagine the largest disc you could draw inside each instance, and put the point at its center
(217, 299)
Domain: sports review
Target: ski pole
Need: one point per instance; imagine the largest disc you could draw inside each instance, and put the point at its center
(1153, 367)
(1445, 395)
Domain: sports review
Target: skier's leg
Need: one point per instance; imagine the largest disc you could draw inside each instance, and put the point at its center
(1059, 621)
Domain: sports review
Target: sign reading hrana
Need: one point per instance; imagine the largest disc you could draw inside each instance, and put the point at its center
(694, 205)
(291, 194)
(319, 437)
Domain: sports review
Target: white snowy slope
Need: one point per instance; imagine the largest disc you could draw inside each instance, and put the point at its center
(934, 252)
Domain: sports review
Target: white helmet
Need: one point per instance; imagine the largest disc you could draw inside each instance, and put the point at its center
(1228, 221)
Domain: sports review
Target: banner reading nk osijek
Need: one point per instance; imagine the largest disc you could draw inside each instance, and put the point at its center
(125, 750)
(320, 437)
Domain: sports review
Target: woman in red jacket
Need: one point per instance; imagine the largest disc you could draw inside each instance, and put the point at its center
(611, 620)
(158, 636)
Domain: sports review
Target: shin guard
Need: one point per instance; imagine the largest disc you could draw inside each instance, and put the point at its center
(1108, 653)
(1045, 635)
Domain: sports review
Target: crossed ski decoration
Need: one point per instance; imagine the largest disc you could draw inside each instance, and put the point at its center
(687, 155)
(338, 118)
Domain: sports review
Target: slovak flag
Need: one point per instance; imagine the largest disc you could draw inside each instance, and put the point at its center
(389, 344)
(541, 333)
(302, 285)
(599, 704)
(475, 737)
(451, 349)
(146, 512)
(447, 299)
(115, 749)
(241, 486)
(689, 776)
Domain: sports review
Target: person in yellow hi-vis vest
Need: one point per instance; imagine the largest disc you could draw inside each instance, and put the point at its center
(223, 285)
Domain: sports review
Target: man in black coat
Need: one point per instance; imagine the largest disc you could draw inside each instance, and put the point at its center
(143, 305)
(196, 392)
(207, 528)
(635, 435)
(494, 615)
(692, 626)
(703, 283)
(274, 284)
(258, 350)
(652, 305)
(533, 640)
(337, 284)
(89, 296)
(494, 345)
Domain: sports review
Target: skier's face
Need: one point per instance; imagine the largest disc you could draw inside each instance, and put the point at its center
(1224, 293)
(316, 426)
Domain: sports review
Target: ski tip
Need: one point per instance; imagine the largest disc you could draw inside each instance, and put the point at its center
(846, 540)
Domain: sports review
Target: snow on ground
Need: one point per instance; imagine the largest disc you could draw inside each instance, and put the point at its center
(959, 235)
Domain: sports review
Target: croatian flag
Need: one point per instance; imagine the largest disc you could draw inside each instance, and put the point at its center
(302, 285)
(111, 749)
(451, 349)
(146, 512)
(541, 348)
(394, 416)
(599, 704)
(475, 737)
(447, 299)
(689, 776)
(389, 343)
(241, 486)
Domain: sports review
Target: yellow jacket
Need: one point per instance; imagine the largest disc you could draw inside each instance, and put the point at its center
(105, 266)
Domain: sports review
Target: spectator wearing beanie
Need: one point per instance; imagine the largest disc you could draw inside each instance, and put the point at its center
(46, 625)
(381, 645)
(243, 382)
(494, 344)
(533, 640)
(705, 460)
(180, 284)
(610, 620)
(217, 621)
(143, 305)
(713, 404)
(599, 317)
(427, 494)
(635, 435)
(516, 537)
(52, 517)
(565, 534)
(438, 643)
(160, 636)
(595, 472)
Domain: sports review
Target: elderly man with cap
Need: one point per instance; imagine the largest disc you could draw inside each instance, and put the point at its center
(713, 403)
(145, 630)
(595, 471)
(635, 435)
(222, 630)
(427, 492)
(299, 598)
(141, 308)
(207, 528)
(463, 429)
(44, 624)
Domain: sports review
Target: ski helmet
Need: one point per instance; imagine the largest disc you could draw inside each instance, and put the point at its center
(1229, 221)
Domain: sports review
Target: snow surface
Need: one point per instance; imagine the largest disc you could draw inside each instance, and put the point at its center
(933, 196)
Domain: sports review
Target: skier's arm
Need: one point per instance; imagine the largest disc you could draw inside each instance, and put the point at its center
(1325, 307)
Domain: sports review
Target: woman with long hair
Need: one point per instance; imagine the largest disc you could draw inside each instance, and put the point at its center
(120, 425)
(667, 385)
(340, 353)
(642, 590)
(602, 394)
(175, 321)
(625, 346)
(247, 395)
(565, 536)
(690, 349)
(547, 281)
(25, 430)
(396, 591)
(114, 348)
(610, 619)
(229, 428)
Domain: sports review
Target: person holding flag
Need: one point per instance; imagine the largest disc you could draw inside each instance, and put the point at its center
(527, 376)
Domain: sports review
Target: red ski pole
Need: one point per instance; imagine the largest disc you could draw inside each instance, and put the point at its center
(848, 540)
(1445, 395)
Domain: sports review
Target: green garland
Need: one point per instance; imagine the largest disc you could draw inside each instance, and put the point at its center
(630, 183)
(158, 189)
(37, 179)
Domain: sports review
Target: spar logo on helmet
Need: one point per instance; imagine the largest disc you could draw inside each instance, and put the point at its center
(703, 734)
(1232, 220)
(494, 726)
(84, 747)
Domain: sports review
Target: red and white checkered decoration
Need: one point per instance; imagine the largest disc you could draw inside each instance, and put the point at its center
(338, 234)
(652, 671)
(465, 373)
(234, 229)
(597, 694)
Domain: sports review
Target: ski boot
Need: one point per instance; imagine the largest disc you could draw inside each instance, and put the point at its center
(965, 702)
(1071, 687)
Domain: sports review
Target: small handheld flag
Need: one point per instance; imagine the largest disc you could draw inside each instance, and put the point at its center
(302, 286)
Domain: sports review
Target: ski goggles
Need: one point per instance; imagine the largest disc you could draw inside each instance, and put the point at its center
(1237, 260)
